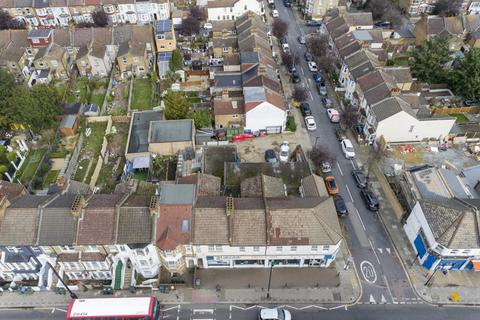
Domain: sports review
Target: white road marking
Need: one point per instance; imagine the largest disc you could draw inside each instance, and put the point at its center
(310, 81)
(338, 307)
(372, 300)
(248, 308)
(361, 221)
(353, 164)
(303, 73)
(171, 308)
(202, 311)
(383, 300)
(311, 96)
(368, 271)
(380, 249)
(339, 169)
(348, 190)
(388, 250)
(374, 252)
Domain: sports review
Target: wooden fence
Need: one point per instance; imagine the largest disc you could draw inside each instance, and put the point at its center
(445, 111)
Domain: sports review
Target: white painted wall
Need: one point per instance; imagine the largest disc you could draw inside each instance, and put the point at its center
(397, 128)
(265, 115)
(239, 8)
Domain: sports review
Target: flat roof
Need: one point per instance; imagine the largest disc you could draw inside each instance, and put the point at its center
(138, 141)
(171, 130)
(106, 307)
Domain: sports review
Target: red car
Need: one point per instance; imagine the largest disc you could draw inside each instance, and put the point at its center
(331, 184)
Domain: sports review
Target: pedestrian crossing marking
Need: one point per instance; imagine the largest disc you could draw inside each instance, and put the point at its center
(372, 300)
(388, 250)
(383, 300)
(380, 249)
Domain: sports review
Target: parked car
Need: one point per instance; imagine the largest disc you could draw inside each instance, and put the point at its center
(270, 156)
(302, 39)
(275, 13)
(271, 4)
(331, 184)
(317, 77)
(347, 149)
(295, 76)
(322, 89)
(308, 56)
(292, 68)
(383, 24)
(274, 314)
(370, 199)
(284, 151)
(333, 115)
(340, 134)
(327, 103)
(313, 23)
(107, 290)
(340, 205)
(283, 40)
(310, 123)
(360, 179)
(287, 3)
(312, 66)
(285, 48)
(305, 109)
(326, 167)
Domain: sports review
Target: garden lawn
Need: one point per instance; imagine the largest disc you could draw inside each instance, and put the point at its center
(460, 117)
(26, 172)
(141, 95)
(82, 86)
(50, 178)
(97, 98)
(81, 170)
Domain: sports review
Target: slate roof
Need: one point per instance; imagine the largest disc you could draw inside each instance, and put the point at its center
(362, 69)
(389, 107)
(39, 33)
(206, 184)
(228, 42)
(378, 93)
(335, 23)
(313, 186)
(349, 49)
(162, 131)
(400, 74)
(223, 26)
(221, 3)
(98, 220)
(57, 224)
(363, 19)
(453, 225)
(373, 79)
(177, 193)
(135, 222)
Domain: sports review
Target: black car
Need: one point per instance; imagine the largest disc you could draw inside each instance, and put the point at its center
(308, 56)
(305, 109)
(370, 199)
(295, 76)
(313, 23)
(359, 178)
(340, 205)
(270, 156)
(283, 40)
(287, 3)
(292, 69)
(340, 134)
(383, 24)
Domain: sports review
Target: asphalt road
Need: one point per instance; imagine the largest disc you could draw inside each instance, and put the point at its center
(383, 279)
(249, 312)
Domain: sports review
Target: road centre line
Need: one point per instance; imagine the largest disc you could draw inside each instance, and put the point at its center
(348, 190)
(361, 221)
(339, 169)
(374, 251)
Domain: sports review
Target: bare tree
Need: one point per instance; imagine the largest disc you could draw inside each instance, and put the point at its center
(289, 60)
(7, 22)
(320, 153)
(190, 26)
(197, 13)
(299, 94)
(447, 7)
(349, 117)
(385, 10)
(279, 28)
(100, 18)
(327, 63)
(318, 45)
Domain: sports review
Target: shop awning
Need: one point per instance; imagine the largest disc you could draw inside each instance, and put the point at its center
(476, 265)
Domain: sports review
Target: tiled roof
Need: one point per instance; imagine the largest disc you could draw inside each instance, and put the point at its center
(273, 187)
(453, 225)
(210, 221)
(391, 106)
(354, 19)
(11, 190)
(222, 107)
(249, 224)
(135, 222)
(29, 201)
(221, 3)
(313, 186)
(19, 226)
(454, 25)
(207, 185)
(373, 79)
(400, 74)
(98, 221)
(349, 49)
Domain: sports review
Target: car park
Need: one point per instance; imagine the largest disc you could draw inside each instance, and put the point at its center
(270, 156)
(370, 199)
(340, 134)
(327, 103)
(305, 109)
(284, 151)
(360, 179)
(322, 89)
(301, 39)
(333, 115)
(331, 184)
(326, 167)
(312, 66)
(347, 149)
(295, 76)
(340, 205)
(274, 314)
(310, 123)
(308, 56)
(317, 77)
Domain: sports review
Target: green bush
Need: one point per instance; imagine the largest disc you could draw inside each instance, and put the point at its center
(291, 125)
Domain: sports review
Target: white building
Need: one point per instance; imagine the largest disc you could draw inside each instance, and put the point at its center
(60, 12)
(126, 12)
(317, 9)
(257, 232)
(264, 110)
(394, 119)
(232, 9)
(445, 235)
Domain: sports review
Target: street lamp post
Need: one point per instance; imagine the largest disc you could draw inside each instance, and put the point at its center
(270, 279)
(427, 283)
(72, 294)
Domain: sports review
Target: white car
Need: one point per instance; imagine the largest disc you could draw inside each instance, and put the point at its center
(312, 66)
(274, 314)
(285, 48)
(275, 13)
(284, 152)
(333, 115)
(347, 149)
(310, 123)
